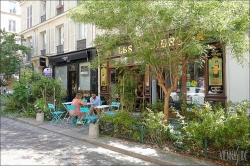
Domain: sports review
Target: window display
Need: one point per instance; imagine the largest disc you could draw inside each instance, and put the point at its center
(84, 79)
(195, 90)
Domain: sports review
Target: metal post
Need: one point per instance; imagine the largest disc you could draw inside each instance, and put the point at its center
(205, 148)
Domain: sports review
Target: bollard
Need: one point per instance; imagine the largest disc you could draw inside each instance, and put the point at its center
(93, 130)
(40, 117)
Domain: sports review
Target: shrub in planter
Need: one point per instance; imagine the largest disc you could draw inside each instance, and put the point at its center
(221, 128)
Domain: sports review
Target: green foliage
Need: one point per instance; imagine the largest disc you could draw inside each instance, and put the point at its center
(34, 89)
(164, 33)
(10, 55)
(126, 88)
(156, 107)
(122, 122)
(41, 105)
(224, 129)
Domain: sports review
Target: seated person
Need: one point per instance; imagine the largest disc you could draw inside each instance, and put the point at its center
(95, 101)
(77, 102)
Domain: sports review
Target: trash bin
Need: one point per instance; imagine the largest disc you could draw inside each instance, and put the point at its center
(93, 130)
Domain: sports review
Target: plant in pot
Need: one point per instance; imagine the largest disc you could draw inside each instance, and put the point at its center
(41, 107)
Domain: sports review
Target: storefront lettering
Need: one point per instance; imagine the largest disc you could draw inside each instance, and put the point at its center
(125, 49)
(171, 42)
(65, 58)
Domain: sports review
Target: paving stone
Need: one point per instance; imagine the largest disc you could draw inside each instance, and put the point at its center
(23, 144)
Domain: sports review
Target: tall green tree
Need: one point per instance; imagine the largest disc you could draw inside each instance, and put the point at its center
(10, 55)
(164, 33)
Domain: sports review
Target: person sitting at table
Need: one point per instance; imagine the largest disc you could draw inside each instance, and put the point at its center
(95, 101)
(77, 102)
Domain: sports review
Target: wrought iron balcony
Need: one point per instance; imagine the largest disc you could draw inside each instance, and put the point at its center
(59, 49)
(43, 18)
(43, 52)
(60, 9)
(81, 44)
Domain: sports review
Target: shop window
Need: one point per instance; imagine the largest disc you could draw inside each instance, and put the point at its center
(195, 88)
(84, 79)
(61, 74)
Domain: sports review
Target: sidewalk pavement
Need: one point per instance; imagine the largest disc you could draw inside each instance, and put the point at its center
(137, 150)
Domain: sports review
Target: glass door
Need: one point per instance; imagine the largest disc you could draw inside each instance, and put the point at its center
(72, 85)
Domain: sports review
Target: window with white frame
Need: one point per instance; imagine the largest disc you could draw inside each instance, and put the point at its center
(12, 6)
(81, 31)
(44, 40)
(29, 17)
(60, 35)
(12, 26)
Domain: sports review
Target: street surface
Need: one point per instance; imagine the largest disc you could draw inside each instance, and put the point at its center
(23, 144)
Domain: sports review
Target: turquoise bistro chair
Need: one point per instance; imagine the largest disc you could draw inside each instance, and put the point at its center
(56, 114)
(73, 116)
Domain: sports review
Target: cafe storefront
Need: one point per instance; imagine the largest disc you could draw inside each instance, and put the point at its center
(201, 81)
(73, 69)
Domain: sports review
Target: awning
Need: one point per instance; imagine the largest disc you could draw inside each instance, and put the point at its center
(68, 57)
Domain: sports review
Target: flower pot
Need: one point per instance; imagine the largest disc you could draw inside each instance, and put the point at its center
(40, 117)
(59, 7)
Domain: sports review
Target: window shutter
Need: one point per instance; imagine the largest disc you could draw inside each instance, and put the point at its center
(37, 45)
(72, 36)
(65, 5)
(47, 42)
(89, 36)
(38, 14)
(48, 10)
(28, 19)
(66, 42)
(53, 9)
(33, 45)
(52, 40)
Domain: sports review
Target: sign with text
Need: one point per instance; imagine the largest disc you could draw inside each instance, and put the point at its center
(47, 72)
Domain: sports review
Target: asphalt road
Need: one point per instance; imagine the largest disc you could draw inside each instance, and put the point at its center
(23, 144)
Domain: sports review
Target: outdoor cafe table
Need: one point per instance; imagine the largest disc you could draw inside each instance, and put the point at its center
(106, 109)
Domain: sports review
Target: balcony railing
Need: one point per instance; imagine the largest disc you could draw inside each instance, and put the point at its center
(60, 9)
(43, 52)
(12, 29)
(43, 18)
(81, 44)
(13, 11)
(59, 49)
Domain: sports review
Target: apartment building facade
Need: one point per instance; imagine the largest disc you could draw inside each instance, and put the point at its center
(11, 16)
(59, 45)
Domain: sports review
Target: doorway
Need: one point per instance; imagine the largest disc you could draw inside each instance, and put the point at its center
(72, 85)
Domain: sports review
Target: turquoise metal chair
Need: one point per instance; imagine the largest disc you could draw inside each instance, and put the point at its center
(115, 105)
(56, 114)
(73, 116)
(84, 100)
(88, 118)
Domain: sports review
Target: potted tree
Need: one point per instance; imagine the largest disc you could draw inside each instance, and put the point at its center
(41, 107)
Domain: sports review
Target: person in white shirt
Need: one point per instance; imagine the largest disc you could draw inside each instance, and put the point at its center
(95, 101)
